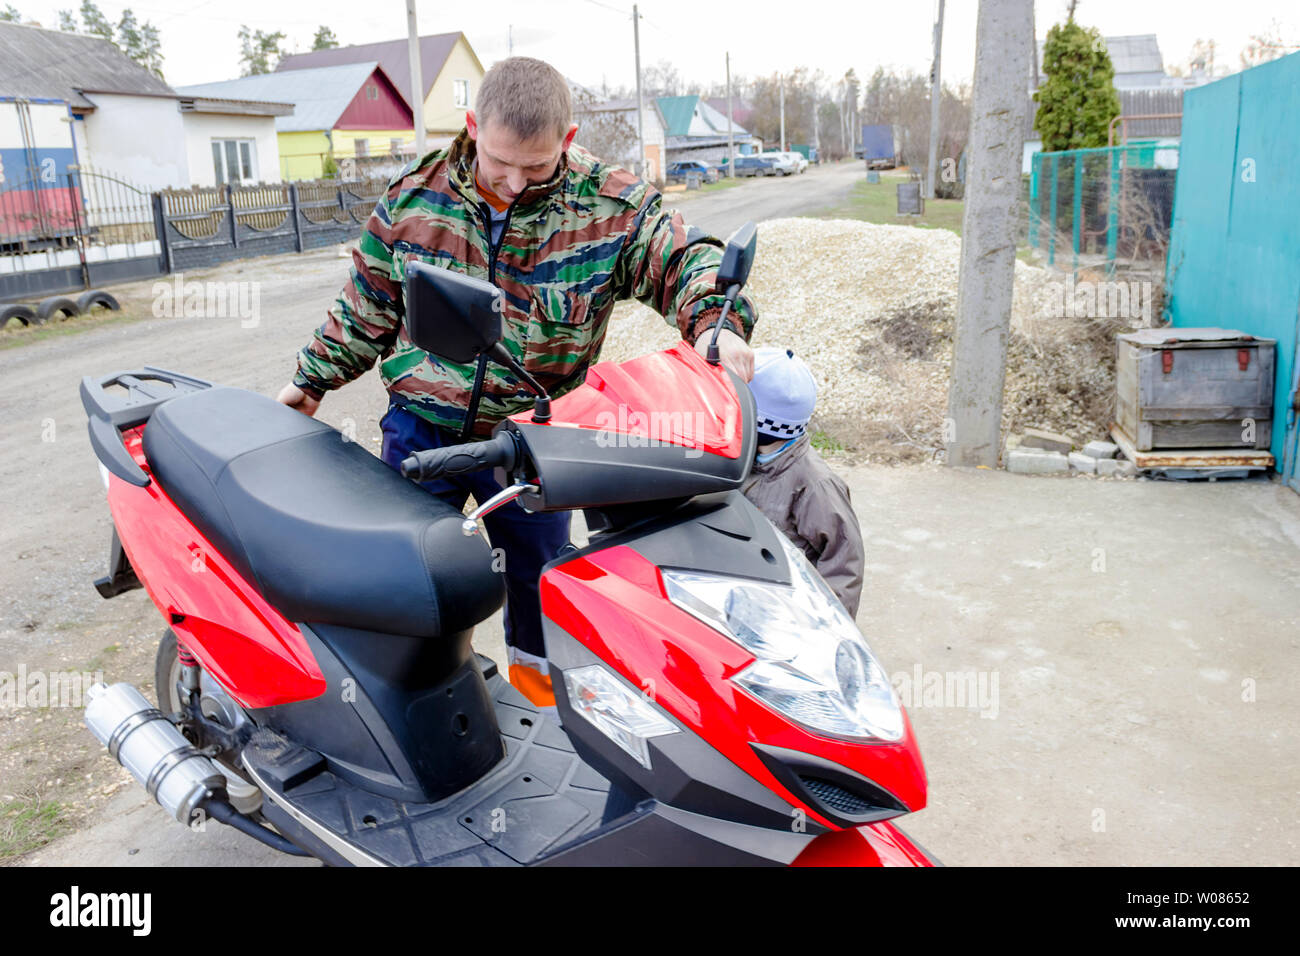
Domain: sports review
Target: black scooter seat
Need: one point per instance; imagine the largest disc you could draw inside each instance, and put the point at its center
(322, 528)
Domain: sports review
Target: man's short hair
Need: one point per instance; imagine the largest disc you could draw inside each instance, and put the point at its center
(527, 96)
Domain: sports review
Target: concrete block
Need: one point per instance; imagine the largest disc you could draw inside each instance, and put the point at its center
(1126, 469)
(1033, 461)
(1107, 467)
(1084, 463)
(1049, 441)
(1101, 449)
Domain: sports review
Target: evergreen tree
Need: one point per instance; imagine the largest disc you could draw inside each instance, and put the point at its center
(1077, 100)
(68, 22)
(96, 23)
(259, 52)
(324, 39)
(10, 15)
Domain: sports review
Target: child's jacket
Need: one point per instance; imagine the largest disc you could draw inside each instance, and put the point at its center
(809, 503)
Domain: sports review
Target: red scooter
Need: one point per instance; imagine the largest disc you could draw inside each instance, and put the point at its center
(317, 689)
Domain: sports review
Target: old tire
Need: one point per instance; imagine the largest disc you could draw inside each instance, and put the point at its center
(57, 305)
(23, 313)
(96, 298)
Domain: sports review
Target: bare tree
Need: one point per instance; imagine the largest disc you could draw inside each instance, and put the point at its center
(605, 133)
(662, 79)
(1266, 45)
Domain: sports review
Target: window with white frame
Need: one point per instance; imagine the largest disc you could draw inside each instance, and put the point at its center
(234, 161)
(460, 92)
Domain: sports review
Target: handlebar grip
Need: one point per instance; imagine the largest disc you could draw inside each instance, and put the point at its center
(498, 452)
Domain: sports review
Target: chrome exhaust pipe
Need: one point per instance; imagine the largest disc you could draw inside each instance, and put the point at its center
(145, 742)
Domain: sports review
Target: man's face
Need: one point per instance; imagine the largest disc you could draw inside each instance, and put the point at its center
(508, 165)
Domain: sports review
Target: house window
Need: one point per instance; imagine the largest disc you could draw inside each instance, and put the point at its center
(372, 91)
(361, 147)
(234, 161)
(460, 92)
(394, 146)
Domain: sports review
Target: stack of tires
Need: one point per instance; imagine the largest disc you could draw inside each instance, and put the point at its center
(56, 307)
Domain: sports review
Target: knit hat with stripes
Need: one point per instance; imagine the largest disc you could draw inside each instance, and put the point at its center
(784, 391)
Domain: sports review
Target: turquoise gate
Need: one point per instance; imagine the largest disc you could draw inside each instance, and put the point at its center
(1234, 256)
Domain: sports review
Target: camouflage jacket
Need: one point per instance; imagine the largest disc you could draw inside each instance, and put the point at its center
(571, 248)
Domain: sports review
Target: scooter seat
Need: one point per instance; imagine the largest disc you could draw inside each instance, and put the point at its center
(322, 528)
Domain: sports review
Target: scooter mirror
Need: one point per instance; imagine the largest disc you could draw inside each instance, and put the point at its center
(450, 315)
(738, 257)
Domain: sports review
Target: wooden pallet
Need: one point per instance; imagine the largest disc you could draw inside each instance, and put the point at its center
(1202, 458)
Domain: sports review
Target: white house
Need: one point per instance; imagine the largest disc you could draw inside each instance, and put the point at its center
(125, 121)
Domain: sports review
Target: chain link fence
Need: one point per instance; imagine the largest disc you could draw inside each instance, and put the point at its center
(1107, 210)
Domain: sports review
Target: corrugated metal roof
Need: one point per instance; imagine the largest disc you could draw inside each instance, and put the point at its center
(319, 96)
(50, 63)
(392, 55)
(677, 111)
(1135, 54)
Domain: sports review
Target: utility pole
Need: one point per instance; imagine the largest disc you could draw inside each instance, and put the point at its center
(782, 84)
(640, 107)
(417, 82)
(731, 138)
(510, 40)
(936, 95)
(1004, 43)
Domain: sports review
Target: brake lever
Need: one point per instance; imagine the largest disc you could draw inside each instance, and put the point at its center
(469, 527)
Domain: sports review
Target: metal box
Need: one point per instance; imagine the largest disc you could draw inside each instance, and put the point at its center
(1194, 388)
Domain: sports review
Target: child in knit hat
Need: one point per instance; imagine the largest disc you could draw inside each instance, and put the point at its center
(791, 484)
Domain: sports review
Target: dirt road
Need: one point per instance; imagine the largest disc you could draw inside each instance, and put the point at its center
(768, 197)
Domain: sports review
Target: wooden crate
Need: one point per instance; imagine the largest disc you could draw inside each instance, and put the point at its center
(1194, 388)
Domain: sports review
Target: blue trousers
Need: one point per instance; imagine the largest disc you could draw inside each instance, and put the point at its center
(527, 541)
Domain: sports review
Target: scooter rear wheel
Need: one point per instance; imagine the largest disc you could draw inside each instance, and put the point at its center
(245, 796)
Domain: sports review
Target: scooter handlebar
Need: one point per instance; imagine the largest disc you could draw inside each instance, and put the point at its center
(498, 452)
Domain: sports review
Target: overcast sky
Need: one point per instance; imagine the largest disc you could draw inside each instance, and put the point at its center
(591, 41)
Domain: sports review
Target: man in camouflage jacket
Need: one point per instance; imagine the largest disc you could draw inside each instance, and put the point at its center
(565, 236)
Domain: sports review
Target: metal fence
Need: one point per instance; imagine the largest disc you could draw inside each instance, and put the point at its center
(209, 225)
(88, 229)
(1106, 209)
(93, 229)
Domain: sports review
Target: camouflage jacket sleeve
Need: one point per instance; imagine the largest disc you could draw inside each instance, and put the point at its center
(363, 322)
(672, 267)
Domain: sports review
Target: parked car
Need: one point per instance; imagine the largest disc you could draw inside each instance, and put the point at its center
(783, 163)
(755, 166)
(800, 161)
(677, 172)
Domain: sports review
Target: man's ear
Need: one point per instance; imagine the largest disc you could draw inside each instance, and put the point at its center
(568, 139)
(471, 124)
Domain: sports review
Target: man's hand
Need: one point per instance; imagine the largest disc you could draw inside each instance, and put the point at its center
(735, 353)
(296, 398)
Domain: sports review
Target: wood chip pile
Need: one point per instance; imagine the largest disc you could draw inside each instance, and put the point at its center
(871, 309)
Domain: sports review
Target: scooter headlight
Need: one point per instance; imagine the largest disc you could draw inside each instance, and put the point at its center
(811, 662)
